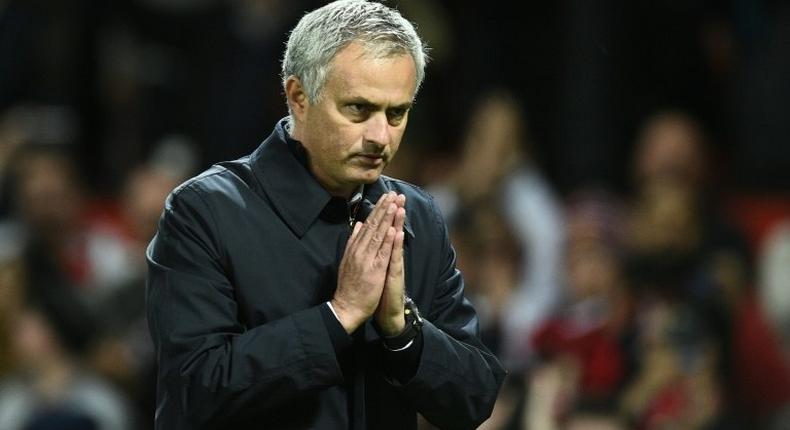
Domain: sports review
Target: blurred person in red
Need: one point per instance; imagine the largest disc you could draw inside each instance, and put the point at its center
(125, 354)
(677, 384)
(684, 250)
(762, 335)
(774, 280)
(585, 338)
(73, 244)
(66, 237)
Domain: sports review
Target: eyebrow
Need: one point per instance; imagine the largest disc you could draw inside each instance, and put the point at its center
(366, 102)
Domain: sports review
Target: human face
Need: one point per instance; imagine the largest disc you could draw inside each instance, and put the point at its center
(355, 129)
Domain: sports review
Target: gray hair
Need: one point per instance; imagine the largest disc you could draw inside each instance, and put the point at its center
(322, 33)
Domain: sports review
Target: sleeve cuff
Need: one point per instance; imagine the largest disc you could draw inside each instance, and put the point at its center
(337, 334)
(401, 365)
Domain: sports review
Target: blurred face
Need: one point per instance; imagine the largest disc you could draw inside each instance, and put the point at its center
(593, 422)
(144, 200)
(670, 151)
(592, 270)
(33, 341)
(49, 197)
(354, 131)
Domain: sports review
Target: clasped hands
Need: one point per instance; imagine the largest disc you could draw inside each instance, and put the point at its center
(370, 278)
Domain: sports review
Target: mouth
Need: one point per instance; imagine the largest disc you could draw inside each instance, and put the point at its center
(373, 160)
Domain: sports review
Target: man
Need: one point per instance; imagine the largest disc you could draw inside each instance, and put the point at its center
(285, 288)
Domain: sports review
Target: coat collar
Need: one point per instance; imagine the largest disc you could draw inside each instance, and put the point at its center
(296, 195)
(280, 165)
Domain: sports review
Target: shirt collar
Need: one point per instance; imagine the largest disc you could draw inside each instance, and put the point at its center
(280, 165)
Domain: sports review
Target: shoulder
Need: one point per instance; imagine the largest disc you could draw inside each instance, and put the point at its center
(416, 197)
(226, 181)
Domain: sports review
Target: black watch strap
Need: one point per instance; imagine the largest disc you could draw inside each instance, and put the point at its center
(410, 331)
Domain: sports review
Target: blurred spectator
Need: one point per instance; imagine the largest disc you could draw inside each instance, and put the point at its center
(760, 336)
(588, 329)
(685, 252)
(11, 298)
(51, 388)
(680, 243)
(774, 280)
(25, 124)
(490, 258)
(186, 81)
(496, 170)
(81, 242)
(125, 354)
(677, 385)
(584, 420)
(671, 148)
(585, 339)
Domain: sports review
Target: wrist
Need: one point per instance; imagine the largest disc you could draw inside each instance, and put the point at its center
(392, 326)
(349, 319)
(412, 325)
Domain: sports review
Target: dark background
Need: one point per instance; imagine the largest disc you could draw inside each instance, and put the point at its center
(129, 73)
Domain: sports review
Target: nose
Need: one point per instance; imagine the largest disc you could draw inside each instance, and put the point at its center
(378, 129)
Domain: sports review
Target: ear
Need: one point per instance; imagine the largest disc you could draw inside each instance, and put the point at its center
(297, 98)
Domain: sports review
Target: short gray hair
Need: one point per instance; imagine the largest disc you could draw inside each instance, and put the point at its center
(322, 33)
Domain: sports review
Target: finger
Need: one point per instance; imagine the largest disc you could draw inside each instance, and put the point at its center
(362, 234)
(400, 200)
(377, 240)
(396, 258)
(400, 219)
(354, 234)
(384, 253)
(374, 221)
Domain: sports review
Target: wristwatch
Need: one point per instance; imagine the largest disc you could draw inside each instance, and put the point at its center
(412, 329)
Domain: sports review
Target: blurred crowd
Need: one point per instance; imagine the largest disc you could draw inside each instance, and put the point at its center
(622, 221)
(647, 310)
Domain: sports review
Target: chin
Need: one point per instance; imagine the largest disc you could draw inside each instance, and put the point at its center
(367, 180)
(367, 176)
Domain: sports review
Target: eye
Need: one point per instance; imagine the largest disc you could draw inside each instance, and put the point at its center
(358, 109)
(395, 116)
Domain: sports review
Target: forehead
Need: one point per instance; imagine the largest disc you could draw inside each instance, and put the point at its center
(354, 73)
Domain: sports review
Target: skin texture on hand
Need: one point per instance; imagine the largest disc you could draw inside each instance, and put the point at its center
(364, 270)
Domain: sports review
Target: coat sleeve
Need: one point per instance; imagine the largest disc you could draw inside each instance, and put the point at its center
(213, 369)
(457, 378)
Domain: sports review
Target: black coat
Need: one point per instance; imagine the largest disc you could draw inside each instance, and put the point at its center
(246, 257)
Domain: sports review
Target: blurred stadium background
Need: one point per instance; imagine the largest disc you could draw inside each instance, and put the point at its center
(615, 175)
